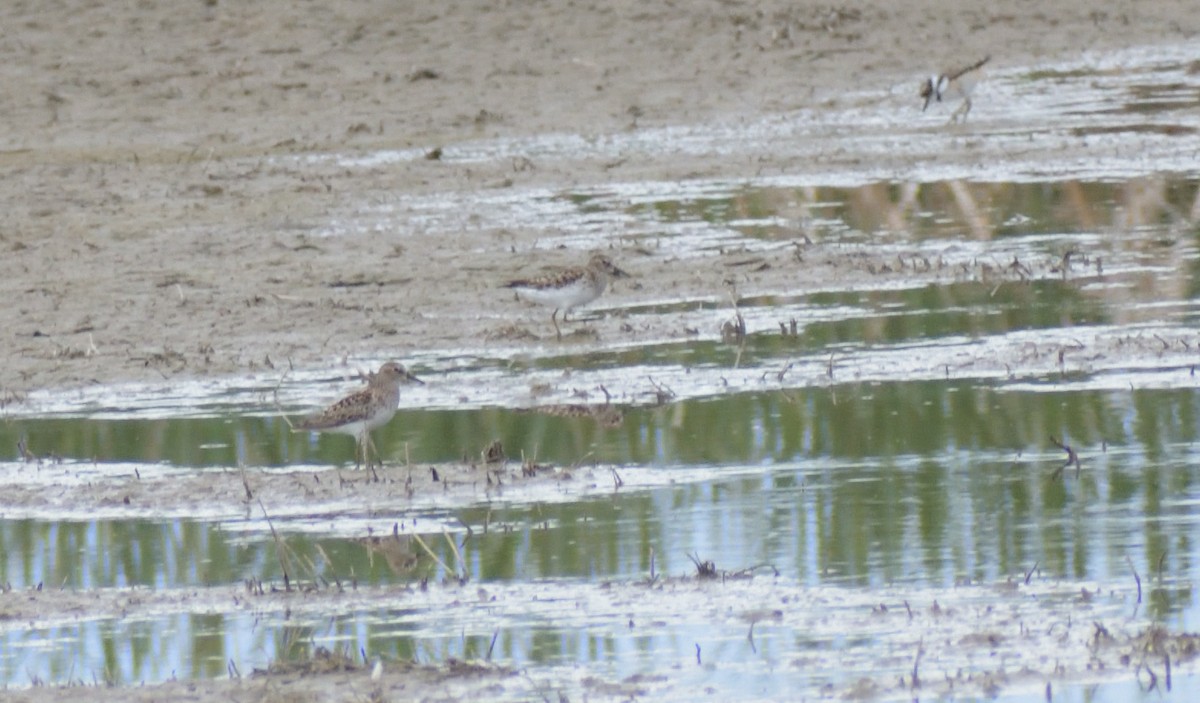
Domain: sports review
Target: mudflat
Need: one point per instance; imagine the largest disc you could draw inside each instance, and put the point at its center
(177, 200)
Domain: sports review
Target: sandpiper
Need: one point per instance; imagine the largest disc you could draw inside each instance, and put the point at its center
(955, 84)
(568, 288)
(363, 410)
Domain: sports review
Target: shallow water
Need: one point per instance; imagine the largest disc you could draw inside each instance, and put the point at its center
(897, 447)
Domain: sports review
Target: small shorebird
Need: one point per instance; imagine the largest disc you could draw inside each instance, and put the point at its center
(568, 288)
(363, 410)
(953, 84)
(605, 415)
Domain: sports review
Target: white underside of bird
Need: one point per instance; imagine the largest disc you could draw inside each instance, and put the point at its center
(564, 298)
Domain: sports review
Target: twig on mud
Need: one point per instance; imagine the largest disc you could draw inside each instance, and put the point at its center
(783, 372)
(529, 465)
(704, 569)
(1065, 263)
(23, 449)
(1100, 635)
(662, 394)
(1072, 458)
(749, 570)
(245, 482)
(734, 330)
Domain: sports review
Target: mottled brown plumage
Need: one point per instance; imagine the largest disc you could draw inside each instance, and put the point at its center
(604, 414)
(568, 288)
(363, 410)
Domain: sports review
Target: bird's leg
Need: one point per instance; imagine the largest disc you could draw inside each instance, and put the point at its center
(961, 111)
(554, 320)
(378, 459)
(372, 448)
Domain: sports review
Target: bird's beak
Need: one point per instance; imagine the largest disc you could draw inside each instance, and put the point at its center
(618, 273)
(413, 379)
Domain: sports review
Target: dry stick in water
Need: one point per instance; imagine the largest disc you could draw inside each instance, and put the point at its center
(429, 551)
(1072, 458)
(275, 398)
(1136, 578)
(306, 560)
(579, 462)
(916, 678)
(280, 548)
(458, 559)
(336, 580)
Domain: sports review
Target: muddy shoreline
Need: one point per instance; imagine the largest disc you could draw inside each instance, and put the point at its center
(170, 213)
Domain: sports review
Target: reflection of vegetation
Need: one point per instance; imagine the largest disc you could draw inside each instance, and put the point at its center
(958, 476)
(937, 482)
(944, 209)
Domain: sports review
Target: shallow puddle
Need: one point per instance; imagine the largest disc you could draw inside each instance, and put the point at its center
(920, 487)
(839, 450)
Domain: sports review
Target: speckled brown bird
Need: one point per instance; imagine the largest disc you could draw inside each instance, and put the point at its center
(363, 410)
(568, 288)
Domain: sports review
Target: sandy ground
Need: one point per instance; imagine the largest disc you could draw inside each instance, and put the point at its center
(160, 217)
